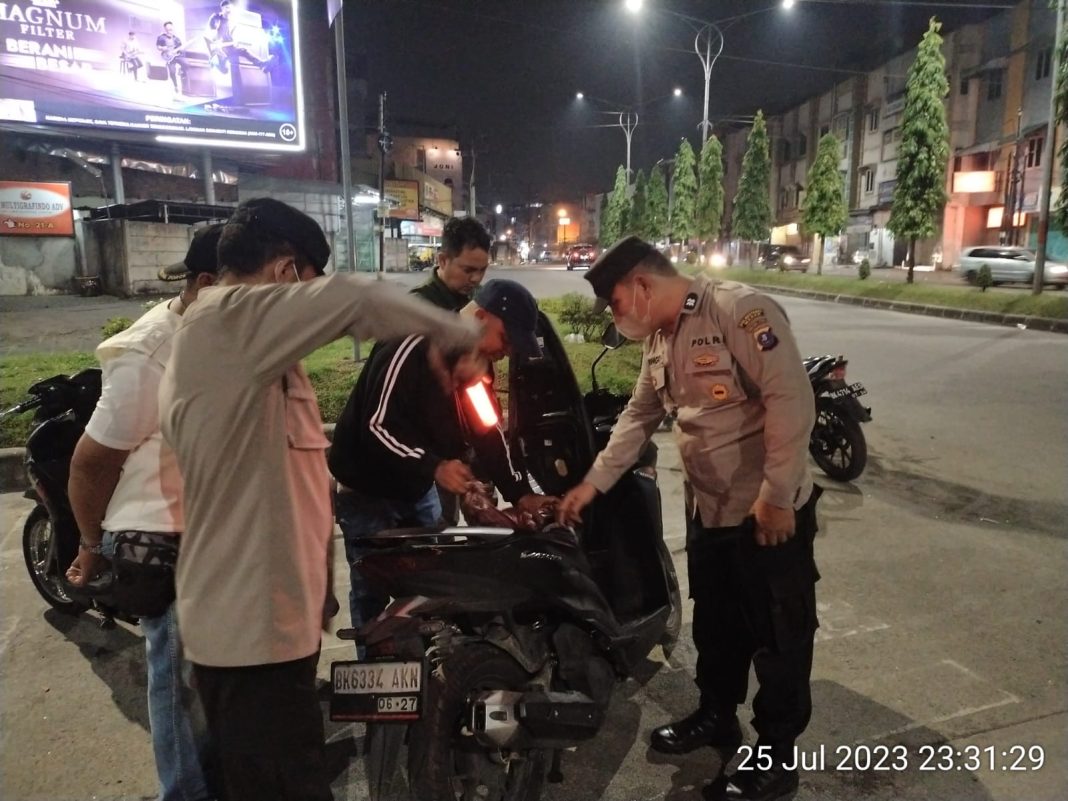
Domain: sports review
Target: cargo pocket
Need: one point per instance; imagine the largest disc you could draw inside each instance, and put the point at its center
(793, 608)
(780, 586)
(304, 425)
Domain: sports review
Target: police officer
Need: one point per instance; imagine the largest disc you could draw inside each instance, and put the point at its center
(722, 357)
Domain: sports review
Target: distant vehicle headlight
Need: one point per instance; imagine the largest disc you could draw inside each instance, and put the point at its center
(789, 259)
(1057, 269)
(718, 260)
(674, 259)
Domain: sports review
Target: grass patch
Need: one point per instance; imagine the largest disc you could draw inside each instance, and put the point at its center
(18, 373)
(332, 370)
(1051, 303)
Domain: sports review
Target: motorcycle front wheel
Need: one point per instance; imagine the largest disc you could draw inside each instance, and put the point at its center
(41, 562)
(838, 446)
(445, 762)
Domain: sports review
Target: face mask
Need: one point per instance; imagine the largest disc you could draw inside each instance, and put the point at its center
(633, 327)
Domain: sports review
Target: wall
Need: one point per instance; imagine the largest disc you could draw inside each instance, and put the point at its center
(36, 265)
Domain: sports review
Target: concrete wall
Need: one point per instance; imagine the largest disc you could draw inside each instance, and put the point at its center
(128, 254)
(33, 265)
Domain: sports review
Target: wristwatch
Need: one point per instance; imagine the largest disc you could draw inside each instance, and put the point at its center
(85, 545)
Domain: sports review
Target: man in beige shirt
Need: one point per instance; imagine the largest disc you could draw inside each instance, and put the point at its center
(723, 358)
(241, 415)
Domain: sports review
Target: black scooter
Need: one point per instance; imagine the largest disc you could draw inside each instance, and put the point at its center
(837, 442)
(506, 638)
(62, 406)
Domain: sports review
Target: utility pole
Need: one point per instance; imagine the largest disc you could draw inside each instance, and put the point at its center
(1008, 216)
(1047, 154)
(472, 205)
(343, 113)
(385, 144)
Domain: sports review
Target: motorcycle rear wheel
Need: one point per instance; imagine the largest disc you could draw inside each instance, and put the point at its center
(445, 763)
(838, 445)
(44, 571)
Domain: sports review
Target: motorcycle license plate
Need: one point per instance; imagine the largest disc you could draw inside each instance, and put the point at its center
(379, 691)
(853, 390)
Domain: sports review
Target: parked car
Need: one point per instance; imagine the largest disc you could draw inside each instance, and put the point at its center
(581, 255)
(1008, 264)
(783, 257)
(544, 256)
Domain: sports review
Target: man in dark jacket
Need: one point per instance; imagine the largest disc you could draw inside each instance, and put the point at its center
(462, 264)
(408, 424)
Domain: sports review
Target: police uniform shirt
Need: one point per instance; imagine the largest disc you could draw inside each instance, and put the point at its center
(732, 372)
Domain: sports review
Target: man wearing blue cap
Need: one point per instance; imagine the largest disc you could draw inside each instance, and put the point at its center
(408, 424)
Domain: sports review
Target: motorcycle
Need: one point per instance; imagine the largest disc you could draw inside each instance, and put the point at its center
(837, 442)
(62, 406)
(506, 637)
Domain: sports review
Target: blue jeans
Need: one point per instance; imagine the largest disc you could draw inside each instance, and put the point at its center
(178, 743)
(360, 515)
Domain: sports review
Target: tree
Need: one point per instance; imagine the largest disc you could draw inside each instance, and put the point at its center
(752, 204)
(710, 190)
(615, 218)
(684, 193)
(1061, 76)
(824, 210)
(656, 206)
(636, 222)
(920, 192)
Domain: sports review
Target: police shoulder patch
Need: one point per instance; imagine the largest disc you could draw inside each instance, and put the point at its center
(765, 338)
(751, 317)
(690, 303)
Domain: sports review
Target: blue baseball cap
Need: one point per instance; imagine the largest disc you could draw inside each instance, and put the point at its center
(517, 309)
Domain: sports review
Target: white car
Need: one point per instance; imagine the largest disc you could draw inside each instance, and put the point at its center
(1008, 264)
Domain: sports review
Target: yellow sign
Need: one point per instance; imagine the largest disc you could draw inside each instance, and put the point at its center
(403, 197)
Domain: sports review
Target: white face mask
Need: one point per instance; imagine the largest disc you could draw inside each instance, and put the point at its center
(633, 327)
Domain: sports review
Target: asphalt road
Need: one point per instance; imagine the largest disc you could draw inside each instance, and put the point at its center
(942, 602)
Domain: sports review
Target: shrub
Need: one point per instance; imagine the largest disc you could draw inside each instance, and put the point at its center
(576, 312)
(984, 278)
(864, 271)
(115, 325)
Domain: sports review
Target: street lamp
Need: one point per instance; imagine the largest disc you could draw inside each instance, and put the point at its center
(787, 4)
(707, 43)
(498, 208)
(628, 118)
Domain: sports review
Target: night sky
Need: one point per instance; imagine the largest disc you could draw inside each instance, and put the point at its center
(504, 74)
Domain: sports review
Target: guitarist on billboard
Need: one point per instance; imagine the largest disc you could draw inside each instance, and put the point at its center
(228, 42)
(170, 47)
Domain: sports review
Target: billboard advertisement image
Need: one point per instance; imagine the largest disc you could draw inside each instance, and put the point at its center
(224, 74)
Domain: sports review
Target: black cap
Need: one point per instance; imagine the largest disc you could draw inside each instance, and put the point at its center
(518, 311)
(200, 258)
(613, 266)
(279, 220)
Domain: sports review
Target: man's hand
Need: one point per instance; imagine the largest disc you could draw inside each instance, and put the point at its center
(569, 510)
(774, 525)
(85, 567)
(454, 476)
(535, 510)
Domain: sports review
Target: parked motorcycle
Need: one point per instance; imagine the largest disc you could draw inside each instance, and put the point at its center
(837, 442)
(62, 406)
(505, 638)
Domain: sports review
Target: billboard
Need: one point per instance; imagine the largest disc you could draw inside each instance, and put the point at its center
(35, 209)
(220, 74)
(405, 196)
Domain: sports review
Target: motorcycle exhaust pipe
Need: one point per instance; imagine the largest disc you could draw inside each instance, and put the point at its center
(536, 719)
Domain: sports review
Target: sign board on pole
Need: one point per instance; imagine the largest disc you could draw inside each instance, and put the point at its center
(35, 209)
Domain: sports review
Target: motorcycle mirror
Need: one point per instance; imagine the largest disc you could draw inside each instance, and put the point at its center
(611, 338)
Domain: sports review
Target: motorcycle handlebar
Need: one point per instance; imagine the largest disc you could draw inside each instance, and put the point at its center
(19, 408)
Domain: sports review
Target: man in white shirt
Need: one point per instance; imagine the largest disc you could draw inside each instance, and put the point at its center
(124, 478)
(242, 417)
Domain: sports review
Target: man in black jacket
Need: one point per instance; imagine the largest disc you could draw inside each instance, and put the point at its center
(408, 424)
(461, 265)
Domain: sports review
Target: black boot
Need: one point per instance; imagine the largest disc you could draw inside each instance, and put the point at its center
(758, 785)
(703, 727)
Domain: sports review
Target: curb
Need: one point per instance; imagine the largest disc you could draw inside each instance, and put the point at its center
(968, 315)
(13, 472)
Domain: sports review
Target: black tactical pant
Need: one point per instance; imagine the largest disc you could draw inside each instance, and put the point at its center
(756, 605)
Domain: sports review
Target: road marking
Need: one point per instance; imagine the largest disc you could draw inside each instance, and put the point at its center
(839, 619)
